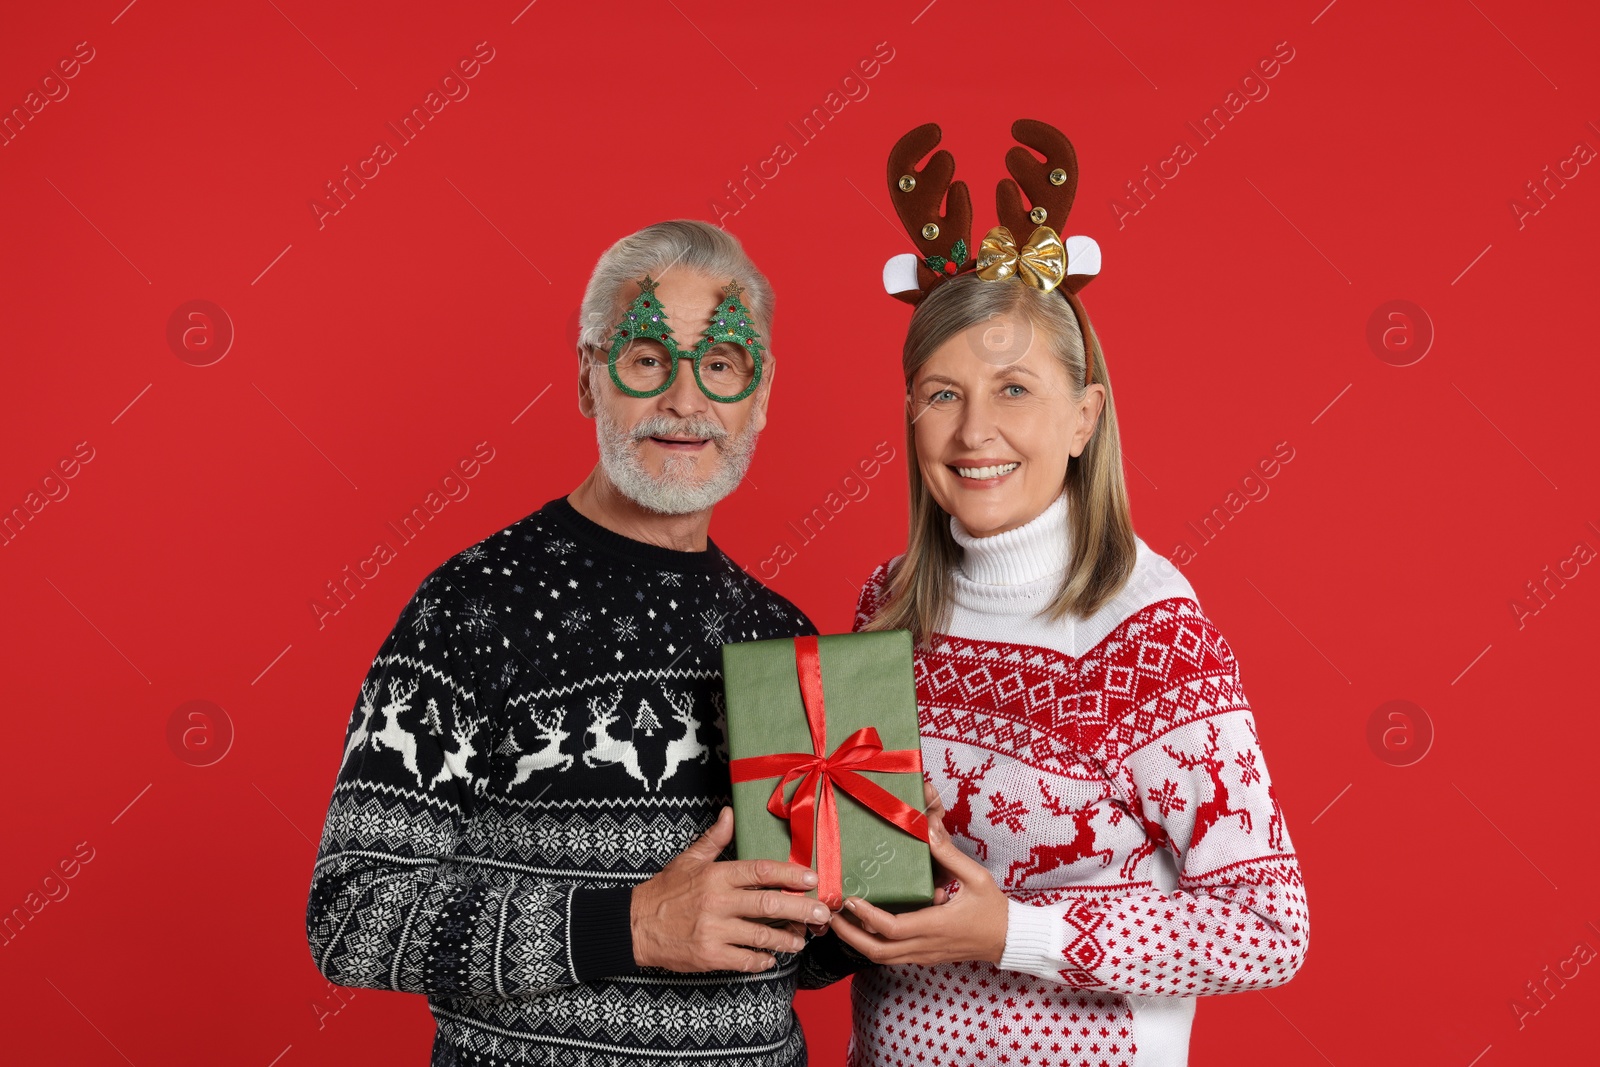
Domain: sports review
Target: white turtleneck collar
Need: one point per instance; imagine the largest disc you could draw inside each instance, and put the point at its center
(1037, 550)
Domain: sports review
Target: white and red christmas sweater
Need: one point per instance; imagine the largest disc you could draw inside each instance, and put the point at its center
(1107, 773)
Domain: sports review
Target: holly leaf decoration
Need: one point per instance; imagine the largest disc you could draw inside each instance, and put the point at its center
(958, 251)
(935, 263)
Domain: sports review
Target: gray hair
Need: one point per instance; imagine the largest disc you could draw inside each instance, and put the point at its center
(689, 243)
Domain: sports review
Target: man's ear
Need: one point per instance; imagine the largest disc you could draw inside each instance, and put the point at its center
(586, 399)
(763, 393)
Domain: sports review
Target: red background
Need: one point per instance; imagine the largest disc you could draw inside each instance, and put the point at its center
(374, 351)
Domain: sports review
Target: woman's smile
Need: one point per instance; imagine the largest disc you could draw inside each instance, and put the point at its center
(983, 473)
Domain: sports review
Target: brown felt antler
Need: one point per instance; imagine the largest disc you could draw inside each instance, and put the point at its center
(1049, 185)
(1039, 193)
(944, 239)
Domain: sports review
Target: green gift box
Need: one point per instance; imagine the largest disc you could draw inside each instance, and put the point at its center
(826, 762)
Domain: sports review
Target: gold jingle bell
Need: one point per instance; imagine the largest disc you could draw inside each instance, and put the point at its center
(1038, 215)
(930, 231)
(1057, 177)
(907, 183)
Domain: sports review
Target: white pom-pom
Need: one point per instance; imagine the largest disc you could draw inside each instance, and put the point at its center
(900, 273)
(1083, 255)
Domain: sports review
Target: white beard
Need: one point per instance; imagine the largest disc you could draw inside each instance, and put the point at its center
(674, 492)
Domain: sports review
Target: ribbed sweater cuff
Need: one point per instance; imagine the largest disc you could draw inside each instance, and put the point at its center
(1031, 941)
(600, 933)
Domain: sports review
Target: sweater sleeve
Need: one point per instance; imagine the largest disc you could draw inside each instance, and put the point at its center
(1194, 777)
(391, 905)
(828, 959)
(870, 598)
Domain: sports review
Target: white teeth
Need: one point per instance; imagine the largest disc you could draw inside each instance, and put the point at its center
(987, 472)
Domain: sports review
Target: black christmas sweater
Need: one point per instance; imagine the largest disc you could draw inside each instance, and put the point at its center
(542, 731)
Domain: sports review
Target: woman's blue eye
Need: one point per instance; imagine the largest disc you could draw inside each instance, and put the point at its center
(1014, 385)
(940, 393)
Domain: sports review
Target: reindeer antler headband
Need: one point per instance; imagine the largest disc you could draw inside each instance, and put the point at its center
(944, 241)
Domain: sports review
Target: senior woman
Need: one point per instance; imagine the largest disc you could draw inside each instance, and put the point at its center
(1102, 803)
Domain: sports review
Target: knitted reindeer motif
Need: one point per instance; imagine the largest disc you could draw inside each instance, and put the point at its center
(1155, 835)
(1274, 824)
(394, 735)
(687, 746)
(1220, 806)
(1045, 858)
(547, 725)
(958, 817)
(604, 749)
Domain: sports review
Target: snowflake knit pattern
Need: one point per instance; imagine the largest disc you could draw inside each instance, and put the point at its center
(542, 731)
(1107, 772)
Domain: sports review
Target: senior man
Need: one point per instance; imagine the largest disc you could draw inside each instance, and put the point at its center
(528, 819)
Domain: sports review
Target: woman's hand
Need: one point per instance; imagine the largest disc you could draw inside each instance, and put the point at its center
(969, 924)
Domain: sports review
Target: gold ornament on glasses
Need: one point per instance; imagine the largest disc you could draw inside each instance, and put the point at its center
(1042, 262)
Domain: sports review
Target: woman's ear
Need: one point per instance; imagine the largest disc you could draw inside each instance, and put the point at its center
(1089, 409)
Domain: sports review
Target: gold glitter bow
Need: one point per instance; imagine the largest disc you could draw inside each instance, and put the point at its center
(1042, 262)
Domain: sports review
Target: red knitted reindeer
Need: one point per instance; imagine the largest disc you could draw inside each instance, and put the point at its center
(1275, 823)
(1044, 858)
(958, 817)
(1219, 807)
(1155, 835)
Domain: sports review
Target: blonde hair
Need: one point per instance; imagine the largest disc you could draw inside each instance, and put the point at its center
(918, 593)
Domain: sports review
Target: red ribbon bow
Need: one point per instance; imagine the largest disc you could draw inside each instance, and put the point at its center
(814, 822)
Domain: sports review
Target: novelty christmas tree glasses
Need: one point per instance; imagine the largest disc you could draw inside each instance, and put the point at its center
(727, 360)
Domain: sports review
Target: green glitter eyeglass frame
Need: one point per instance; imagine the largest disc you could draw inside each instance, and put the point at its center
(645, 320)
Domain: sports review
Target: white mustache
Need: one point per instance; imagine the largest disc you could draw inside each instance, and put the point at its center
(663, 426)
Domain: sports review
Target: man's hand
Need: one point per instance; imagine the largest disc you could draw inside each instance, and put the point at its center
(696, 914)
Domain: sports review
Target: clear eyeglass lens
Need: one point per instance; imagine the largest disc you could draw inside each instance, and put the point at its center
(644, 365)
(725, 370)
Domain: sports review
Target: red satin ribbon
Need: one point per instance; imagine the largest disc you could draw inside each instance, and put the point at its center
(814, 822)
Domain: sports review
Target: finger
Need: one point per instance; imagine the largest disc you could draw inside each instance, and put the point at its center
(783, 875)
(907, 927)
(709, 845)
(874, 948)
(952, 859)
(731, 958)
(930, 796)
(940, 896)
(874, 919)
(747, 934)
(851, 934)
(772, 904)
